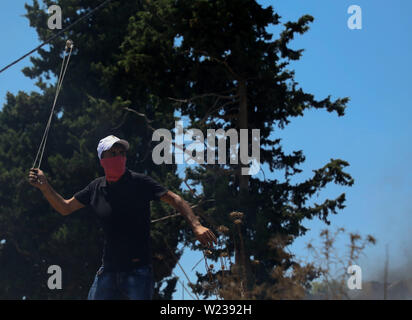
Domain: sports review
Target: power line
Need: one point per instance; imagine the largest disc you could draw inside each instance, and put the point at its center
(56, 35)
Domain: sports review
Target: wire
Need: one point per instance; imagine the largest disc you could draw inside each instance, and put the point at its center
(56, 35)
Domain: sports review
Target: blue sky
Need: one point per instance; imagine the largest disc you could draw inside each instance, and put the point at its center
(372, 66)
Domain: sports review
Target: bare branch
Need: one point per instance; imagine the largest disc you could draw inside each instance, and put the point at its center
(224, 62)
(178, 213)
(212, 94)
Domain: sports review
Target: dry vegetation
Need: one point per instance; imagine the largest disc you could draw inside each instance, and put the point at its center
(325, 278)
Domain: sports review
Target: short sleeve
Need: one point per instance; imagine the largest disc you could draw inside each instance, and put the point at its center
(154, 189)
(84, 195)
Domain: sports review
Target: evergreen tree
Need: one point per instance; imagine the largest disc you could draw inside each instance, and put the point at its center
(136, 63)
(223, 70)
(92, 104)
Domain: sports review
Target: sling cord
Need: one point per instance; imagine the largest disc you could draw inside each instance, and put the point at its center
(69, 46)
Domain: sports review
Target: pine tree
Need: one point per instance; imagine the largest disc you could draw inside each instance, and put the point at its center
(223, 70)
(136, 63)
(91, 105)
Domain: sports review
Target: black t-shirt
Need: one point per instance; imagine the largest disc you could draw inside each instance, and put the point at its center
(123, 208)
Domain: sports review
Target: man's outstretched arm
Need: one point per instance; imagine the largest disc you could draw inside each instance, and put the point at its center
(38, 179)
(203, 234)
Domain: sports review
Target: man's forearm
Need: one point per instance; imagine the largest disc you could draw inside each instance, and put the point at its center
(55, 200)
(188, 214)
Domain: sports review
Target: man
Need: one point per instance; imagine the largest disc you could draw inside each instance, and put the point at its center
(121, 200)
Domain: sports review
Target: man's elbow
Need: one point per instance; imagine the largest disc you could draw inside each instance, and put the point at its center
(175, 201)
(179, 202)
(70, 206)
(66, 209)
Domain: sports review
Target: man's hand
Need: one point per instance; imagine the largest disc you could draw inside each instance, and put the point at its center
(205, 236)
(37, 178)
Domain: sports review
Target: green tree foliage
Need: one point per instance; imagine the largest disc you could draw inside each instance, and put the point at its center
(135, 64)
(228, 72)
(91, 105)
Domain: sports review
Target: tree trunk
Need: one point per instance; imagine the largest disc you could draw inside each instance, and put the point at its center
(243, 124)
(243, 254)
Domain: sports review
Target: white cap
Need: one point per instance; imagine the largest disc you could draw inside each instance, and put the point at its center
(108, 142)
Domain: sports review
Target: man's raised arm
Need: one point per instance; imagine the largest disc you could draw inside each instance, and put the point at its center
(64, 207)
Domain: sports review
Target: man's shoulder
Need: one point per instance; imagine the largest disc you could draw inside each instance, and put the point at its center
(136, 175)
(97, 181)
(141, 178)
(91, 187)
(148, 185)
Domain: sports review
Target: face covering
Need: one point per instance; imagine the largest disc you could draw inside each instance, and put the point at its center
(114, 167)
